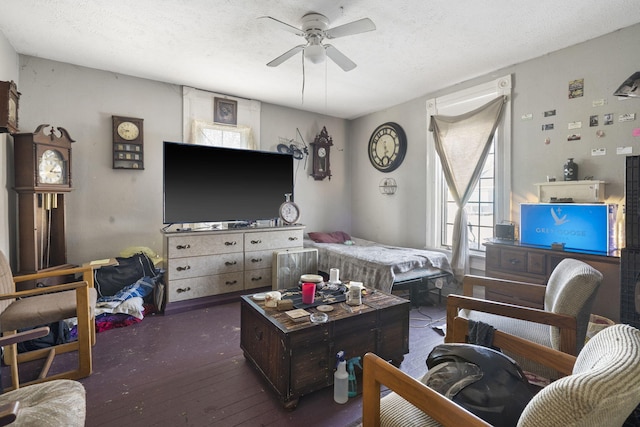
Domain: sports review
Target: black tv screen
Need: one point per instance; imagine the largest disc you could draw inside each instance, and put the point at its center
(217, 184)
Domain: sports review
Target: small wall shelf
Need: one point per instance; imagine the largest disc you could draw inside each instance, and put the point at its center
(578, 191)
(127, 156)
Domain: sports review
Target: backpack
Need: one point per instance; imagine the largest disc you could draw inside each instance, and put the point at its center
(484, 381)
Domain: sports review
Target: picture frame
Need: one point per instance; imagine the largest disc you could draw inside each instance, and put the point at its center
(225, 111)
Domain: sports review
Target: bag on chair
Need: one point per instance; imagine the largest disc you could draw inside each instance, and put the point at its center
(484, 381)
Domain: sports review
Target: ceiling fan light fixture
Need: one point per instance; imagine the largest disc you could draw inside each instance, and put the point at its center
(315, 53)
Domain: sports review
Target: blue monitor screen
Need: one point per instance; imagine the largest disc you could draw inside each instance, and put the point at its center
(584, 227)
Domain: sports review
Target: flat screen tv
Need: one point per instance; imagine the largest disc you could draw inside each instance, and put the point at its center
(579, 226)
(217, 184)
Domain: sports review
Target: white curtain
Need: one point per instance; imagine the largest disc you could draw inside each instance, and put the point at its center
(462, 143)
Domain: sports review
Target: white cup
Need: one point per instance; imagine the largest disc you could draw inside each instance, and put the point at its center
(334, 275)
(271, 299)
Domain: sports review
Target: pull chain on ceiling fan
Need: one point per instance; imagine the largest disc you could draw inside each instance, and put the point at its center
(315, 30)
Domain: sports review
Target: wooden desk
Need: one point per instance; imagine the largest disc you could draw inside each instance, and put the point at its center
(297, 358)
(515, 261)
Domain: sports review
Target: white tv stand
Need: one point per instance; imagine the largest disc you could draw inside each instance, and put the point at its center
(208, 267)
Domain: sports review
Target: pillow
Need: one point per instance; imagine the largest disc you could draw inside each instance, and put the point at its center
(333, 237)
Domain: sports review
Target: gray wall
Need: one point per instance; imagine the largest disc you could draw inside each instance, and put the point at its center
(539, 85)
(325, 205)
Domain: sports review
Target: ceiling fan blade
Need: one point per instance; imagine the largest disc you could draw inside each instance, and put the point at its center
(276, 23)
(356, 27)
(339, 58)
(288, 54)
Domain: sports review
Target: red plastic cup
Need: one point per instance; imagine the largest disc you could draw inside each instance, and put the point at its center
(308, 293)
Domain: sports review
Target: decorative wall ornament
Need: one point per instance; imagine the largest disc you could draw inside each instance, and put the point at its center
(388, 186)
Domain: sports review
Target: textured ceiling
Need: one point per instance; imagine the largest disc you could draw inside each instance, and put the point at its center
(419, 46)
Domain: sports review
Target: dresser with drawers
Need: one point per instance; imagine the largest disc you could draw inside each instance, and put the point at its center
(523, 263)
(205, 267)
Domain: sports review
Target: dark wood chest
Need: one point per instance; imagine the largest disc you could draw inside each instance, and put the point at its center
(299, 357)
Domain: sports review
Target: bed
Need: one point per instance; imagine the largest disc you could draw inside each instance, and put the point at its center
(377, 265)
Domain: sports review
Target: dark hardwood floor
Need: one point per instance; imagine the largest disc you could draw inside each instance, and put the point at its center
(187, 369)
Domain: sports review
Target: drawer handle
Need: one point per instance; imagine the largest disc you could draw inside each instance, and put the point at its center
(188, 267)
(180, 290)
(256, 259)
(257, 333)
(256, 279)
(256, 242)
(293, 238)
(230, 263)
(230, 282)
(229, 243)
(514, 261)
(183, 246)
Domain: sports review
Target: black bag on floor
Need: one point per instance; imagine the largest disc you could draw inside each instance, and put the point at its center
(111, 279)
(58, 334)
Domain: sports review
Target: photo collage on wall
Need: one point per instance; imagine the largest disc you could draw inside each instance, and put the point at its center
(576, 89)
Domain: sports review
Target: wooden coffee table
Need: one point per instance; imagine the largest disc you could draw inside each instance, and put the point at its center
(299, 357)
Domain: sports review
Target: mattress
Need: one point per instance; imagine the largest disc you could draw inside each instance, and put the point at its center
(378, 265)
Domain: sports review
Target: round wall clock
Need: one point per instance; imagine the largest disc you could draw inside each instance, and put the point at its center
(387, 147)
(128, 131)
(289, 211)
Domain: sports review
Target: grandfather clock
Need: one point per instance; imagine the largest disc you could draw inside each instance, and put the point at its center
(42, 164)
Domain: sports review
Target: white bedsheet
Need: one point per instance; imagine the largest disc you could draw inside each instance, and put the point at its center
(375, 264)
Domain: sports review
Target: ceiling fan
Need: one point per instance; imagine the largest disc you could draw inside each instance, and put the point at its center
(315, 28)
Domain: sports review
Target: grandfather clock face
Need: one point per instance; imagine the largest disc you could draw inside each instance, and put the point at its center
(52, 168)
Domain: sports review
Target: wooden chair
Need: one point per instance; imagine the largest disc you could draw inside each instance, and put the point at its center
(555, 315)
(42, 306)
(58, 402)
(599, 386)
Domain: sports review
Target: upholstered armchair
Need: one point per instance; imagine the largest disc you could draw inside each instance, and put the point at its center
(561, 322)
(41, 306)
(601, 386)
(53, 403)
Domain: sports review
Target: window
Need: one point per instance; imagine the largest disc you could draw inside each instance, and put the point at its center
(480, 208)
(205, 133)
(198, 127)
(490, 202)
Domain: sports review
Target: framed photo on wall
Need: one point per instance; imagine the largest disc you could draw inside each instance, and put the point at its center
(225, 111)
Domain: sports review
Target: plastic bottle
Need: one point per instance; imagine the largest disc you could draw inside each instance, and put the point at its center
(353, 383)
(341, 380)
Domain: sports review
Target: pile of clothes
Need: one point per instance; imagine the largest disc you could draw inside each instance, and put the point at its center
(126, 291)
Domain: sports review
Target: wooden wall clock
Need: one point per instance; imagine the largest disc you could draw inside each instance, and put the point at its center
(387, 147)
(9, 107)
(42, 164)
(321, 146)
(128, 142)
